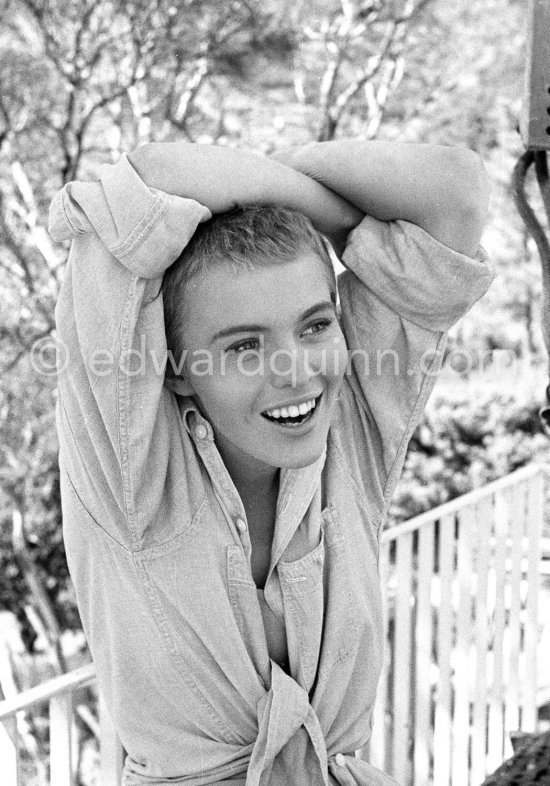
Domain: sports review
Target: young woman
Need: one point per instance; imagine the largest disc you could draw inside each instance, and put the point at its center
(230, 438)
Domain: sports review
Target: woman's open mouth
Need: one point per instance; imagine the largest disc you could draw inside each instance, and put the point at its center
(293, 415)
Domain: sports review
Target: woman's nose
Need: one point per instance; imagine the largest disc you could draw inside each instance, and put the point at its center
(291, 367)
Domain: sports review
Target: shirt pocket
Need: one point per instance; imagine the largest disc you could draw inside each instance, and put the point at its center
(303, 594)
(202, 649)
(243, 597)
(341, 629)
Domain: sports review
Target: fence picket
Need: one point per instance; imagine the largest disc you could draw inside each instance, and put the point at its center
(535, 514)
(376, 753)
(484, 517)
(513, 640)
(442, 723)
(423, 638)
(461, 653)
(402, 659)
(496, 704)
(9, 751)
(61, 747)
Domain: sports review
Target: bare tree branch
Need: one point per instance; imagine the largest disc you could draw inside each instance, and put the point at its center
(51, 44)
(412, 9)
(40, 597)
(377, 97)
(342, 101)
(4, 133)
(29, 278)
(37, 232)
(179, 115)
(354, 26)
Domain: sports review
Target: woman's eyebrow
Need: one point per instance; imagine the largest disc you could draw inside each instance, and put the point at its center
(237, 329)
(252, 328)
(317, 307)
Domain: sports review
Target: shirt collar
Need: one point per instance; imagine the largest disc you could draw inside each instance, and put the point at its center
(297, 486)
(296, 491)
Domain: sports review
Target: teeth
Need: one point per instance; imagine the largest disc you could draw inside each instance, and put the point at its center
(292, 411)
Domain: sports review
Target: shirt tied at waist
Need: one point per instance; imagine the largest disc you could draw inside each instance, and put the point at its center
(283, 710)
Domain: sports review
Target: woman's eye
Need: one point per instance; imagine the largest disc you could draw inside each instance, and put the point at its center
(318, 326)
(244, 346)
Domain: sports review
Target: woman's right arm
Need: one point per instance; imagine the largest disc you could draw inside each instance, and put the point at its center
(221, 178)
(117, 425)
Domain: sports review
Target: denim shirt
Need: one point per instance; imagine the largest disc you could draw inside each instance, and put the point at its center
(155, 532)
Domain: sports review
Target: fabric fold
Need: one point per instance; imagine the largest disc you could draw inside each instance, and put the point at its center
(281, 712)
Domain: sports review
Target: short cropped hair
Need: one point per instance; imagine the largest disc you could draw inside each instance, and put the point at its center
(245, 238)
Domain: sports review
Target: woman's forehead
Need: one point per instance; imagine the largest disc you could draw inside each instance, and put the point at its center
(265, 294)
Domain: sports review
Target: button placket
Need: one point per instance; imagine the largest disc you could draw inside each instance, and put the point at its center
(224, 489)
(244, 536)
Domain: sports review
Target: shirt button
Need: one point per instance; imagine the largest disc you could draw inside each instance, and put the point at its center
(340, 760)
(201, 432)
(240, 524)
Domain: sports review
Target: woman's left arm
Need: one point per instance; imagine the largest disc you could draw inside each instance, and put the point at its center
(444, 190)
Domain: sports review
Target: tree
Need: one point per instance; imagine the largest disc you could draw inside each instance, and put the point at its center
(85, 79)
(351, 60)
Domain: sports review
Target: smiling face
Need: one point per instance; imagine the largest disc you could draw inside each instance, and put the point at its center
(265, 358)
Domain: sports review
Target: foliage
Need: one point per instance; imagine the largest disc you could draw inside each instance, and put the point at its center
(85, 79)
(473, 431)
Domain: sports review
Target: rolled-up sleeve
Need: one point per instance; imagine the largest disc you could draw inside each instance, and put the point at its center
(113, 412)
(401, 292)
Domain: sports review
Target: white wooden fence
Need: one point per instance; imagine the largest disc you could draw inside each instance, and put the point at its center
(461, 612)
(461, 619)
(59, 694)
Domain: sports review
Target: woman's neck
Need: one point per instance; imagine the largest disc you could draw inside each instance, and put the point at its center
(253, 486)
(252, 478)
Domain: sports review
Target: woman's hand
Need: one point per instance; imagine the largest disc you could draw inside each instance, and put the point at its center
(302, 159)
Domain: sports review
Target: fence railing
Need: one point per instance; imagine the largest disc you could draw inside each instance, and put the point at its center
(58, 693)
(460, 670)
(461, 619)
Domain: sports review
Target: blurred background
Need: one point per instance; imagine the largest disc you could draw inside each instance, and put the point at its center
(83, 80)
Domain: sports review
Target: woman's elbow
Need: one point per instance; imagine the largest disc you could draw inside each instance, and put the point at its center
(470, 189)
(472, 186)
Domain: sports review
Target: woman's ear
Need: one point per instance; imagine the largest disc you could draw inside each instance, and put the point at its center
(178, 385)
(175, 374)
(174, 380)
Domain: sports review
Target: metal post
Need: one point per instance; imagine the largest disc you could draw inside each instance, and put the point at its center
(535, 121)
